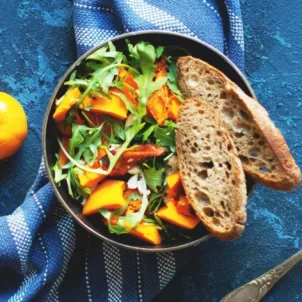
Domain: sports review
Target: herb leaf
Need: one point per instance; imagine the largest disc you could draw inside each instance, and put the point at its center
(81, 191)
(156, 199)
(159, 51)
(148, 132)
(154, 178)
(165, 137)
(79, 164)
(116, 125)
(58, 173)
(86, 141)
(130, 133)
(172, 79)
(145, 56)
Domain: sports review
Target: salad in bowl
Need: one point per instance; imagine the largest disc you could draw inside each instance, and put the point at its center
(116, 128)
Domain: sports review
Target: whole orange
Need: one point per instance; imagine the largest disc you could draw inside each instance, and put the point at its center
(13, 125)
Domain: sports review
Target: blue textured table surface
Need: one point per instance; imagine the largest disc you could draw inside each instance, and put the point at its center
(37, 46)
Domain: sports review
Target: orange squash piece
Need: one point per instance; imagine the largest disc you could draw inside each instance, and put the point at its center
(157, 105)
(128, 79)
(157, 102)
(142, 231)
(101, 153)
(135, 204)
(68, 101)
(183, 207)
(170, 214)
(173, 106)
(108, 195)
(63, 160)
(90, 179)
(67, 130)
(113, 106)
(147, 233)
(174, 185)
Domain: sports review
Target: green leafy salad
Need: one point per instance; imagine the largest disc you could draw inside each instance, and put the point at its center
(116, 135)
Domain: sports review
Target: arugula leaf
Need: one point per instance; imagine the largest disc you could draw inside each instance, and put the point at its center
(105, 73)
(116, 125)
(150, 220)
(81, 191)
(130, 133)
(58, 173)
(161, 224)
(76, 139)
(78, 163)
(77, 82)
(154, 178)
(172, 79)
(144, 54)
(106, 80)
(165, 137)
(132, 50)
(70, 116)
(159, 51)
(170, 123)
(75, 190)
(146, 86)
(156, 200)
(115, 229)
(148, 132)
(86, 141)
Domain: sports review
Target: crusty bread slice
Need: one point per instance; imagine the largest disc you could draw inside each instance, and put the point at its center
(261, 147)
(211, 173)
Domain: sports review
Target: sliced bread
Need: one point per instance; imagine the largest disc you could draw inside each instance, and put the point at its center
(211, 172)
(261, 146)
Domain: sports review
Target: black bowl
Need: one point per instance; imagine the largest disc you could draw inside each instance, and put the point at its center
(94, 223)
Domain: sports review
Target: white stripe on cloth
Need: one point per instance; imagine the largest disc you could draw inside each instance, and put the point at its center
(159, 18)
(66, 229)
(91, 7)
(42, 170)
(166, 268)
(38, 204)
(21, 235)
(28, 280)
(139, 278)
(212, 8)
(46, 258)
(113, 269)
(236, 27)
(86, 270)
(93, 36)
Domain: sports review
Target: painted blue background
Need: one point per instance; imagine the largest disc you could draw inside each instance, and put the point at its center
(37, 46)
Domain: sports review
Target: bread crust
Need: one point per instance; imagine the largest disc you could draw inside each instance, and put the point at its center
(239, 194)
(290, 177)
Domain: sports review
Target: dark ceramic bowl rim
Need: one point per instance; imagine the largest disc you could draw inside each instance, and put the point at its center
(46, 117)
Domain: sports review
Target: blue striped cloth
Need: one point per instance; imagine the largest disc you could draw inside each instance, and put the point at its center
(44, 256)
